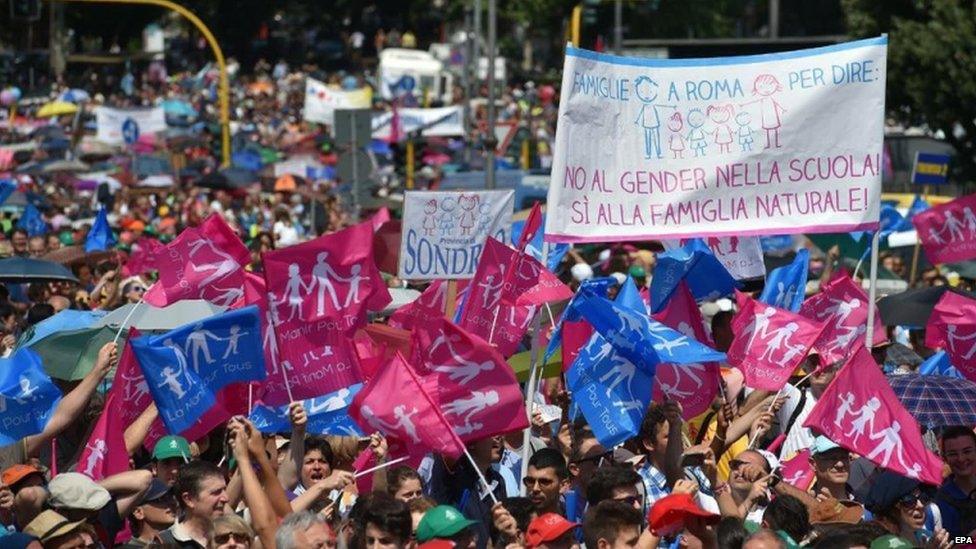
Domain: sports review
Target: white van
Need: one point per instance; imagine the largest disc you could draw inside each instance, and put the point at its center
(426, 71)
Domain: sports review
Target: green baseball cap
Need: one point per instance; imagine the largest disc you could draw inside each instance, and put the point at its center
(171, 446)
(890, 542)
(442, 521)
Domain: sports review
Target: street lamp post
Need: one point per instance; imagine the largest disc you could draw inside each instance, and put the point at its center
(490, 139)
(223, 91)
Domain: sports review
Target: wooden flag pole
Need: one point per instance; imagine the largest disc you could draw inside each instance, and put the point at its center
(450, 300)
(918, 245)
(872, 290)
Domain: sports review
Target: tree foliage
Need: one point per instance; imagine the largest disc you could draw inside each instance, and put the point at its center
(931, 65)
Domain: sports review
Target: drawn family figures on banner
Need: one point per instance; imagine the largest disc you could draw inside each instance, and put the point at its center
(948, 231)
(649, 117)
(765, 86)
(95, 457)
(861, 412)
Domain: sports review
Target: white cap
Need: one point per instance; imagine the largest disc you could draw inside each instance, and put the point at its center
(620, 278)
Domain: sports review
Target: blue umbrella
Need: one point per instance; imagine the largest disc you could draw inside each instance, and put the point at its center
(68, 319)
(247, 159)
(936, 400)
(177, 107)
(22, 269)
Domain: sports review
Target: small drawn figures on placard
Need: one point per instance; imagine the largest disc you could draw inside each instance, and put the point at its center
(765, 86)
(744, 119)
(469, 204)
(720, 115)
(696, 137)
(676, 141)
(645, 88)
(430, 219)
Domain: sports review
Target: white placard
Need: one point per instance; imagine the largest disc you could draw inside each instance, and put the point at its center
(673, 148)
(322, 101)
(109, 122)
(442, 121)
(444, 232)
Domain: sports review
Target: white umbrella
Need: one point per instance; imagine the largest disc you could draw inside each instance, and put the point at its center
(148, 318)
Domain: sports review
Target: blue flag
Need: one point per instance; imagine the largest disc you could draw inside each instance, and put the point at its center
(28, 397)
(7, 188)
(776, 244)
(595, 286)
(100, 237)
(534, 247)
(786, 285)
(939, 365)
(918, 206)
(185, 367)
(695, 264)
(611, 392)
(327, 415)
(31, 221)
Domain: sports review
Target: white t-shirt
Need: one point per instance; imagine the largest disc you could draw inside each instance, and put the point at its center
(285, 235)
(799, 438)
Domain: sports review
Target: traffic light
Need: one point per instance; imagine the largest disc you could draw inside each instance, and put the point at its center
(590, 12)
(25, 10)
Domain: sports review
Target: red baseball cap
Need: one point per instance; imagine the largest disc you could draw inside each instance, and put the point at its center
(547, 527)
(437, 544)
(668, 514)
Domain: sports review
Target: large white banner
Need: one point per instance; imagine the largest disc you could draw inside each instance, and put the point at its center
(109, 122)
(444, 232)
(765, 144)
(322, 101)
(443, 121)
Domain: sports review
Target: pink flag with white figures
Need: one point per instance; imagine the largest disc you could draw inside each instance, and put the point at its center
(104, 454)
(205, 262)
(692, 385)
(475, 388)
(488, 310)
(430, 304)
(379, 218)
(860, 412)
(769, 342)
(318, 294)
(575, 335)
(952, 326)
(843, 308)
(396, 402)
(142, 259)
(948, 231)
(798, 471)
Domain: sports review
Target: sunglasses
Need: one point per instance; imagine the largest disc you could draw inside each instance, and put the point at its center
(909, 500)
(227, 536)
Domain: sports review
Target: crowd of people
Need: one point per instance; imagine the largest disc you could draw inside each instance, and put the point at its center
(708, 481)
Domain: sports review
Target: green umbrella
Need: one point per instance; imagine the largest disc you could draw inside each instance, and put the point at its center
(522, 362)
(70, 355)
(268, 156)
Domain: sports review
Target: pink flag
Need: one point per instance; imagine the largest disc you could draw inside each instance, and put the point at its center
(476, 389)
(575, 334)
(429, 305)
(952, 326)
(205, 262)
(231, 401)
(130, 385)
(143, 256)
(798, 471)
(532, 224)
(396, 403)
(104, 454)
(318, 294)
(379, 218)
(500, 313)
(769, 342)
(948, 231)
(843, 308)
(860, 412)
(272, 389)
(692, 385)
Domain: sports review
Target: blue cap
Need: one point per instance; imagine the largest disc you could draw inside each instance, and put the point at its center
(823, 445)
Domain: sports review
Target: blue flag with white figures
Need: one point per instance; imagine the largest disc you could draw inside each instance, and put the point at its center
(611, 392)
(327, 415)
(696, 264)
(939, 365)
(535, 246)
(786, 286)
(100, 237)
(28, 397)
(31, 221)
(596, 286)
(918, 206)
(7, 188)
(185, 367)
